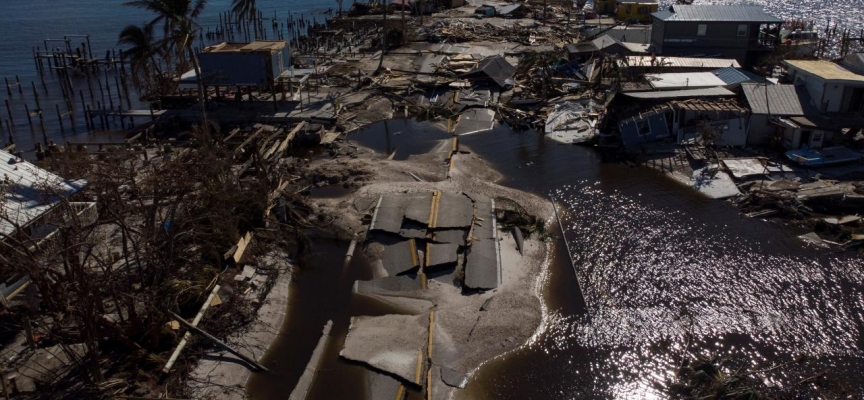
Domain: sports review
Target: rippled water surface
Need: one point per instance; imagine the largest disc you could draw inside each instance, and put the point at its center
(663, 270)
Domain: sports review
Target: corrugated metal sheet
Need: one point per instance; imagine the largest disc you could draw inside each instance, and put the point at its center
(716, 13)
(676, 94)
(28, 192)
(680, 62)
(774, 99)
(734, 76)
(684, 80)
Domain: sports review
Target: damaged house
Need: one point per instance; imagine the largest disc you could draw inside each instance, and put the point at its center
(35, 205)
(782, 116)
(833, 88)
(710, 114)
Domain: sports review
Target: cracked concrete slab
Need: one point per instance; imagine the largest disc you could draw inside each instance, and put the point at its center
(389, 214)
(400, 283)
(305, 383)
(392, 343)
(418, 208)
(481, 265)
(455, 236)
(400, 257)
(454, 211)
(453, 378)
(438, 255)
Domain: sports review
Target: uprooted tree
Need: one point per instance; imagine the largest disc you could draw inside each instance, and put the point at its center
(107, 277)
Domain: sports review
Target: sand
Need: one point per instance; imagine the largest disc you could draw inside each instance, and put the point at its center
(464, 337)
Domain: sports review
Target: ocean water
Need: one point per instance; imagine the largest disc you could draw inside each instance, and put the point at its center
(26, 24)
(663, 272)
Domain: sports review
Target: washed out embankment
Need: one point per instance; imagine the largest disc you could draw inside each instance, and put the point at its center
(456, 266)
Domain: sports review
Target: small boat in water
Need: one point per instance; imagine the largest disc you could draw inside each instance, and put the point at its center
(825, 157)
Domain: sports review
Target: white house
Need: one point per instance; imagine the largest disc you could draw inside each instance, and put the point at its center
(833, 88)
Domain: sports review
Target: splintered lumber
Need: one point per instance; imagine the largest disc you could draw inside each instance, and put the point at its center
(255, 366)
(188, 335)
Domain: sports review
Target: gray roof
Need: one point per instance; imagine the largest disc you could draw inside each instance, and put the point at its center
(734, 76)
(677, 94)
(783, 100)
(28, 192)
(716, 13)
(605, 41)
(509, 9)
(495, 68)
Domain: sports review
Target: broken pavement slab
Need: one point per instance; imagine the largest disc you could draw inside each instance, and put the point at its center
(454, 236)
(305, 383)
(438, 255)
(392, 343)
(453, 211)
(482, 265)
(388, 214)
(400, 257)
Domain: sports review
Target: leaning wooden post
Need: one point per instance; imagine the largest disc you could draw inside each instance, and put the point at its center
(188, 334)
(252, 363)
(60, 117)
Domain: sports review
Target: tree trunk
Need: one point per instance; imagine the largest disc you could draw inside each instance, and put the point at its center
(202, 95)
(383, 38)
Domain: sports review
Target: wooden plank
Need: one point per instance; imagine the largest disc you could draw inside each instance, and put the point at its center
(248, 140)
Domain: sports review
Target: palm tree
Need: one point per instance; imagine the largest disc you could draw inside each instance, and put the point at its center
(178, 19)
(172, 14)
(245, 10)
(383, 38)
(142, 52)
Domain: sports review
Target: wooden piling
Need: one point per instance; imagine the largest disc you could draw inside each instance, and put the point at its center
(18, 82)
(8, 88)
(27, 111)
(60, 118)
(9, 111)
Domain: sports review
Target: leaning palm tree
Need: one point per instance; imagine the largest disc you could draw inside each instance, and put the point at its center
(183, 37)
(171, 14)
(245, 10)
(179, 22)
(142, 52)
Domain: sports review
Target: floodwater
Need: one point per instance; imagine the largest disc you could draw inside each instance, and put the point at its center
(321, 291)
(661, 273)
(661, 267)
(401, 138)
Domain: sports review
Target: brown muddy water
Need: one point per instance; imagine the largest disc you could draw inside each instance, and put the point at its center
(663, 272)
(321, 291)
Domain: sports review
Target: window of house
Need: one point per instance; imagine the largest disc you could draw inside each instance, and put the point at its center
(702, 30)
(643, 127)
(742, 30)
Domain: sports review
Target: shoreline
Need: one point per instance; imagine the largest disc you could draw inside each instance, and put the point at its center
(459, 318)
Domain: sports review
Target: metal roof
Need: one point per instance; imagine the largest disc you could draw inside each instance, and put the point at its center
(716, 13)
(509, 9)
(256, 46)
(28, 192)
(495, 68)
(734, 76)
(825, 69)
(680, 62)
(674, 94)
(684, 80)
(774, 99)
